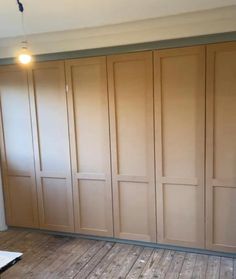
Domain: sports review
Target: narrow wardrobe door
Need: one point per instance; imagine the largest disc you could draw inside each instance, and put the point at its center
(90, 148)
(17, 158)
(52, 143)
(221, 147)
(131, 111)
(180, 125)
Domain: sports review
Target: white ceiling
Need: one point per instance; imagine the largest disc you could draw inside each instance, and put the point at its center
(56, 15)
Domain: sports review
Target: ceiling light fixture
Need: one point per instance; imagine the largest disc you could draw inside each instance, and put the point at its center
(24, 56)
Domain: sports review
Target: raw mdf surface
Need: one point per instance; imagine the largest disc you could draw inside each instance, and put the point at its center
(130, 81)
(221, 147)
(51, 142)
(179, 126)
(17, 157)
(90, 146)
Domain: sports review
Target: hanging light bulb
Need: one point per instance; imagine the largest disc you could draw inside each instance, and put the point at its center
(24, 56)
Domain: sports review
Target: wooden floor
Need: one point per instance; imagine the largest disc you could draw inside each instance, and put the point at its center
(48, 256)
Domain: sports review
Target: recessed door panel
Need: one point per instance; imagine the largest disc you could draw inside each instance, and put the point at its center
(92, 202)
(51, 140)
(131, 114)
(90, 146)
(221, 147)
(17, 148)
(180, 125)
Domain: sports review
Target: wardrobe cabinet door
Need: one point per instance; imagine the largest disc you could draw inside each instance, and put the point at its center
(131, 112)
(180, 124)
(52, 144)
(90, 147)
(17, 157)
(221, 147)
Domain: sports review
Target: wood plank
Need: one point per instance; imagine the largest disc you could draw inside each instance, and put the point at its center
(51, 257)
(188, 265)
(13, 241)
(88, 268)
(7, 235)
(140, 263)
(78, 263)
(152, 263)
(98, 270)
(51, 263)
(23, 265)
(114, 267)
(129, 261)
(226, 268)
(41, 255)
(200, 267)
(213, 268)
(161, 269)
(79, 251)
(175, 265)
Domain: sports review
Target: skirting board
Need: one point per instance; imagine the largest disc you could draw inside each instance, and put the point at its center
(134, 242)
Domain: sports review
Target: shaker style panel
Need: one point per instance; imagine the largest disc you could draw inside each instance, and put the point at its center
(179, 126)
(130, 83)
(51, 141)
(221, 147)
(17, 156)
(90, 146)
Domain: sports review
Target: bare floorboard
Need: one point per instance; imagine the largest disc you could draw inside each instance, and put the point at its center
(52, 257)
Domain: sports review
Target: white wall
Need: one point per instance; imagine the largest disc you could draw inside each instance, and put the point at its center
(179, 26)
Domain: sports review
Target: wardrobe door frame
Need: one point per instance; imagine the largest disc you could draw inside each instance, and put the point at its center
(161, 180)
(4, 171)
(40, 174)
(116, 177)
(76, 174)
(211, 181)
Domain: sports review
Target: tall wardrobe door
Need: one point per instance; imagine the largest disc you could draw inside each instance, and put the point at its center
(17, 157)
(52, 143)
(180, 124)
(221, 147)
(131, 111)
(90, 148)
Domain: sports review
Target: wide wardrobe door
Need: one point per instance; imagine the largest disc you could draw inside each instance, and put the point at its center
(90, 147)
(17, 156)
(51, 140)
(180, 124)
(221, 147)
(131, 112)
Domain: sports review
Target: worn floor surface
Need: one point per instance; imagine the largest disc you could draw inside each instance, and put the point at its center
(48, 256)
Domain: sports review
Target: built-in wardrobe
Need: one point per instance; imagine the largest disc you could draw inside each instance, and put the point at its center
(138, 146)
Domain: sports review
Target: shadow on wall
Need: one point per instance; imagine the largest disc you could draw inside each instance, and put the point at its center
(3, 226)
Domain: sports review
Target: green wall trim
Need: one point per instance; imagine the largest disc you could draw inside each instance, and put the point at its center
(172, 43)
(134, 242)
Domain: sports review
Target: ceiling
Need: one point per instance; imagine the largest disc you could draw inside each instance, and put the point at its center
(58, 15)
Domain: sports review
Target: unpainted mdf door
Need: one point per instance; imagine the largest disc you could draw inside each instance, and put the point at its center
(179, 127)
(90, 147)
(51, 141)
(130, 81)
(221, 147)
(17, 156)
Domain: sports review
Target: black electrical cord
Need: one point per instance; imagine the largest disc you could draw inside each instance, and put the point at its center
(20, 6)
